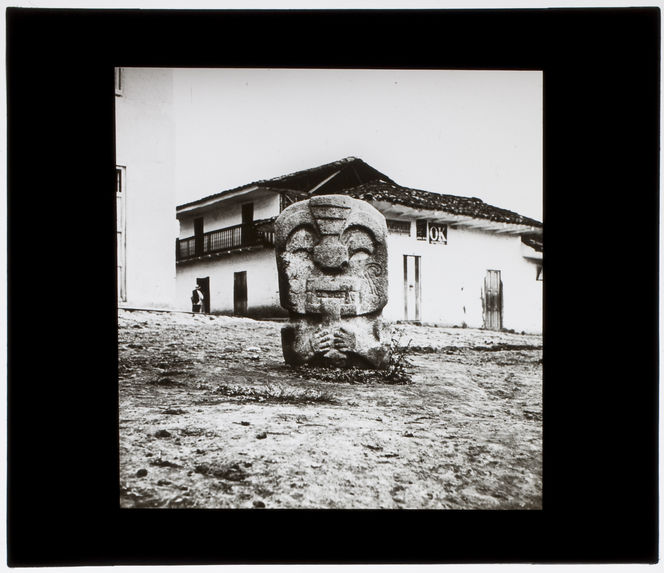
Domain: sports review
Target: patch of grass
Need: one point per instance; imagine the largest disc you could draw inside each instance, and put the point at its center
(424, 349)
(276, 393)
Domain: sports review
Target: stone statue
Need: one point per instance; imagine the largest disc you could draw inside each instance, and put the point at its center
(332, 261)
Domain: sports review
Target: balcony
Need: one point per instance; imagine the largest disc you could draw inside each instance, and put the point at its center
(223, 241)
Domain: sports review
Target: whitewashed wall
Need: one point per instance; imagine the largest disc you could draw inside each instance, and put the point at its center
(265, 205)
(452, 277)
(262, 282)
(145, 146)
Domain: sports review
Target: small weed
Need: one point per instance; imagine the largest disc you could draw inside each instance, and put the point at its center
(397, 369)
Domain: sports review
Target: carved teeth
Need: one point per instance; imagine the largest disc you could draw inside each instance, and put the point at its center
(332, 294)
(346, 295)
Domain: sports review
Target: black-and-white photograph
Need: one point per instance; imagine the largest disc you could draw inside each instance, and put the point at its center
(330, 288)
(280, 273)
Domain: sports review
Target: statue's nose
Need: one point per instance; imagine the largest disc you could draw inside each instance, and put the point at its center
(331, 255)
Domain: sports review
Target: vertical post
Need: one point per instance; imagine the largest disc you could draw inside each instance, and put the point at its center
(418, 287)
(405, 287)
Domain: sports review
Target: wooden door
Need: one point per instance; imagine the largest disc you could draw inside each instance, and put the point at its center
(240, 294)
(204, 283)
(493, 300)
(412, 287)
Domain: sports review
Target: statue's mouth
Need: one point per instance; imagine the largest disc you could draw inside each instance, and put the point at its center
(326, 293)
(344, 295)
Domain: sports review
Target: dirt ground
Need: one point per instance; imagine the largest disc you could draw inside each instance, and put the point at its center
(211, 417)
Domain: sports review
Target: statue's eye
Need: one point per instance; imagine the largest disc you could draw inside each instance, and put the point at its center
(302, 240)
(358, 256)
(359, 242)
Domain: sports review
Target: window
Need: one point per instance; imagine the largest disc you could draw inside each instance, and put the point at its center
(118, 81)
(398, 227)
(421, 228)
(285, 201)
(120, 176)
(247, 213)
(434, 233)
(540, 273)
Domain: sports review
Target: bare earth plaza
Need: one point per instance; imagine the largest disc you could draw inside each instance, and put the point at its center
(227, 424)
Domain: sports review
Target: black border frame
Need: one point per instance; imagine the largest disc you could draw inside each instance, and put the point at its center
(601, 89)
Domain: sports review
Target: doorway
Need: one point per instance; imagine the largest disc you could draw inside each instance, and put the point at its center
(240, 293)
(493, 300)
(198, 236)
(204, 283)
(412, 287)
(248, 231)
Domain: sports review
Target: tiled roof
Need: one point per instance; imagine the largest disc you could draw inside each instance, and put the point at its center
(453, 204)
(348, 172)
(352, 176)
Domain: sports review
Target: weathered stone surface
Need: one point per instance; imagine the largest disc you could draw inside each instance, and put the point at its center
(332, 260)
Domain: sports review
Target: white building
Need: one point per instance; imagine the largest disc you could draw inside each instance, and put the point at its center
(145, 189)
(453, 261)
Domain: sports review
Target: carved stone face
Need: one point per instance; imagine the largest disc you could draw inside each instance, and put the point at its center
(331, 257)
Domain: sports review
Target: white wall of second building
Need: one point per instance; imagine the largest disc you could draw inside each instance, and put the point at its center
(262, 282)
(266, 205)
(452, 278)
(145, 146)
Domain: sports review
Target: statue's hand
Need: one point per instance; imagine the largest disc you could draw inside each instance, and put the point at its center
(344, 340)
(321, 341)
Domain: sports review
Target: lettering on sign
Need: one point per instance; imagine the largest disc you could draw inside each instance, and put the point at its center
(437, 234)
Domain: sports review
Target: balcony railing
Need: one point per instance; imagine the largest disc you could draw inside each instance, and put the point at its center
(227, 239)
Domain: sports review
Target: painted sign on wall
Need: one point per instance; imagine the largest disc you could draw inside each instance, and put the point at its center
(437, 234)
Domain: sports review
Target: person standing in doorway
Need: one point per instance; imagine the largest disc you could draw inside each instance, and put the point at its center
(197, 300)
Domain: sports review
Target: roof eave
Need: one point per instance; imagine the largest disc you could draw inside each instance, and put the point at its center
(213, 200)
(390, 209)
